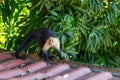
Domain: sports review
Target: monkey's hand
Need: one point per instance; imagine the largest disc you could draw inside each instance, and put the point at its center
(23, 57)
(51, 57)
(48, 63)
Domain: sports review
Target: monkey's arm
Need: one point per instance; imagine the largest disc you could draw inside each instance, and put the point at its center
(57, 47)
(59, 54)
(45, 56)
(24, 44)
(45, 51)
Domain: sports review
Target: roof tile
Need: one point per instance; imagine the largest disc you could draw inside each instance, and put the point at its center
(33, 76)
(73, 74)
(15, 63)
(35, 66)
(56, 70)
(11, 69)
(5, 57)
(2, 67)
(101, 76)
(11, 73)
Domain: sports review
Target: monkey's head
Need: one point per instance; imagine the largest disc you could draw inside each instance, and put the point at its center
(52, 41)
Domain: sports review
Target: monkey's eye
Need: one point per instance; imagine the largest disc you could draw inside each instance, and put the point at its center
(51, 40)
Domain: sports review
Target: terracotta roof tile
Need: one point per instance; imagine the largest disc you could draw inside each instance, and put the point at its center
(56, 70)
(35, 66)
(5, 57)
(2, 67)
(11, 69)
(33, 76)
(16, 62)
(73, 74)
(11, 73)
(86, 76)
(101, 76)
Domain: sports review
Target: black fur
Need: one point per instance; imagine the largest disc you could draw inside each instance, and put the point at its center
(40, 35)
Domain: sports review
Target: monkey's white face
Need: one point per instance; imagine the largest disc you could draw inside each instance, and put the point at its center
(52, 41)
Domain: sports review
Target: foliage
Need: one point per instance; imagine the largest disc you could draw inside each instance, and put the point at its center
(89, 30)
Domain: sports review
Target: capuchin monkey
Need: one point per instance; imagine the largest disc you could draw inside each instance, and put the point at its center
(46, 39)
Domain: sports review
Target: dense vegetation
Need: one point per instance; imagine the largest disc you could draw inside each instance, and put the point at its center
(89, 30)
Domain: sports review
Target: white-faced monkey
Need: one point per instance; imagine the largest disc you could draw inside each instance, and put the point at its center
(46, 39)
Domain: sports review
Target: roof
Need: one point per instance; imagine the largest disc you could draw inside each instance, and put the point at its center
(34, 68)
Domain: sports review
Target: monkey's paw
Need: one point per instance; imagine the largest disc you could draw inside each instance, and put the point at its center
(23, 57)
